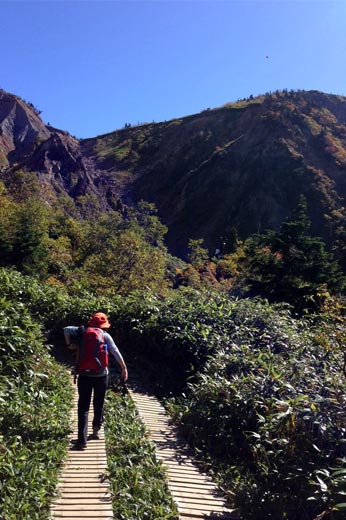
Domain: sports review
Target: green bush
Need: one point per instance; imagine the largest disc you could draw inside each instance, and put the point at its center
(50, 306)
(269, 409)
(264, 396)
(46, 304)
(171, 338)
(35, 398)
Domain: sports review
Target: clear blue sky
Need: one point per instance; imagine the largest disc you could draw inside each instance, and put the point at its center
(92, 66)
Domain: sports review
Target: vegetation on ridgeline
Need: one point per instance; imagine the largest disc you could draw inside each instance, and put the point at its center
(244, 164)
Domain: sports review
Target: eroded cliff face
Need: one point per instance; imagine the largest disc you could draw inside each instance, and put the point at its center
(243, 165)
(54, 155)
(21, 129)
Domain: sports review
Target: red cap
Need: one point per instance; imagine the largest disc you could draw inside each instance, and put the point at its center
(99, 320)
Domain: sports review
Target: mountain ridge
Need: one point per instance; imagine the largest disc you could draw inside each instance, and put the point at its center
(244, 165)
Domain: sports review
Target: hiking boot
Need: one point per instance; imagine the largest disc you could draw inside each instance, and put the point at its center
(95, 434)
(79, 445)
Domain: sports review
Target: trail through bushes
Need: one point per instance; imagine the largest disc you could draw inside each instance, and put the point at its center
(257, 392)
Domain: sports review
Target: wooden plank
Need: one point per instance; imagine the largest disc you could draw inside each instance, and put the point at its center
(81, 501)
(200, 504)
(192, 515)
(89, 456)
(83, 482)
(195, 494)
(88, 461)
(93, 491)
(82, 506)
(182, 487)
(87, 468)
(86, 474)
(180, 484)
(70, 478)
(206, 512)
(85, 515)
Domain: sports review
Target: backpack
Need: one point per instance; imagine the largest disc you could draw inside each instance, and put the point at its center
(93, 352)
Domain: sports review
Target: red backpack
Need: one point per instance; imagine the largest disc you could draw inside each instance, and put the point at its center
(93, 352)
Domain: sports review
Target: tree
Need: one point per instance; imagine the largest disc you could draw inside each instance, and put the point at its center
(5, 245)
(291, 265)
(23, 225)
(337, 222)
(59, 257)
(197, 255)
(144, 217)
(128, 263)
(29, 251)
(24, 185)
(230, 242)
(7, 208)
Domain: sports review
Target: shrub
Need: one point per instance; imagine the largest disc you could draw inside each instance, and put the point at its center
(138, 481)
(269, 409)
(34, 403)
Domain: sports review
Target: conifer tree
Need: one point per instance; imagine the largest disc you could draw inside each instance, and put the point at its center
(29, 253)
(5, 246)
(197, 254)
(7, 209)
(291, 265)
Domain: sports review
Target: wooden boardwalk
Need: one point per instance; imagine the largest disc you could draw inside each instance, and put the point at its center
(83, 491)
(194, 493)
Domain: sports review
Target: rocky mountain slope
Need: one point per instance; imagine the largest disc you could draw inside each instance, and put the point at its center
(243, 165)
(56, 157)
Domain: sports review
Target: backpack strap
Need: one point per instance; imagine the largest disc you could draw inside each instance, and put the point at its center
(79, 339)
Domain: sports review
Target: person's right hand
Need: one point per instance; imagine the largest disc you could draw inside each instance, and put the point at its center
(124, 374)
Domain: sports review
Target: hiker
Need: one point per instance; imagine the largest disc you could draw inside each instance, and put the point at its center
(92, 370)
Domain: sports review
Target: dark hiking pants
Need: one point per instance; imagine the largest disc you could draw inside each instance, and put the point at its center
(85, 387)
